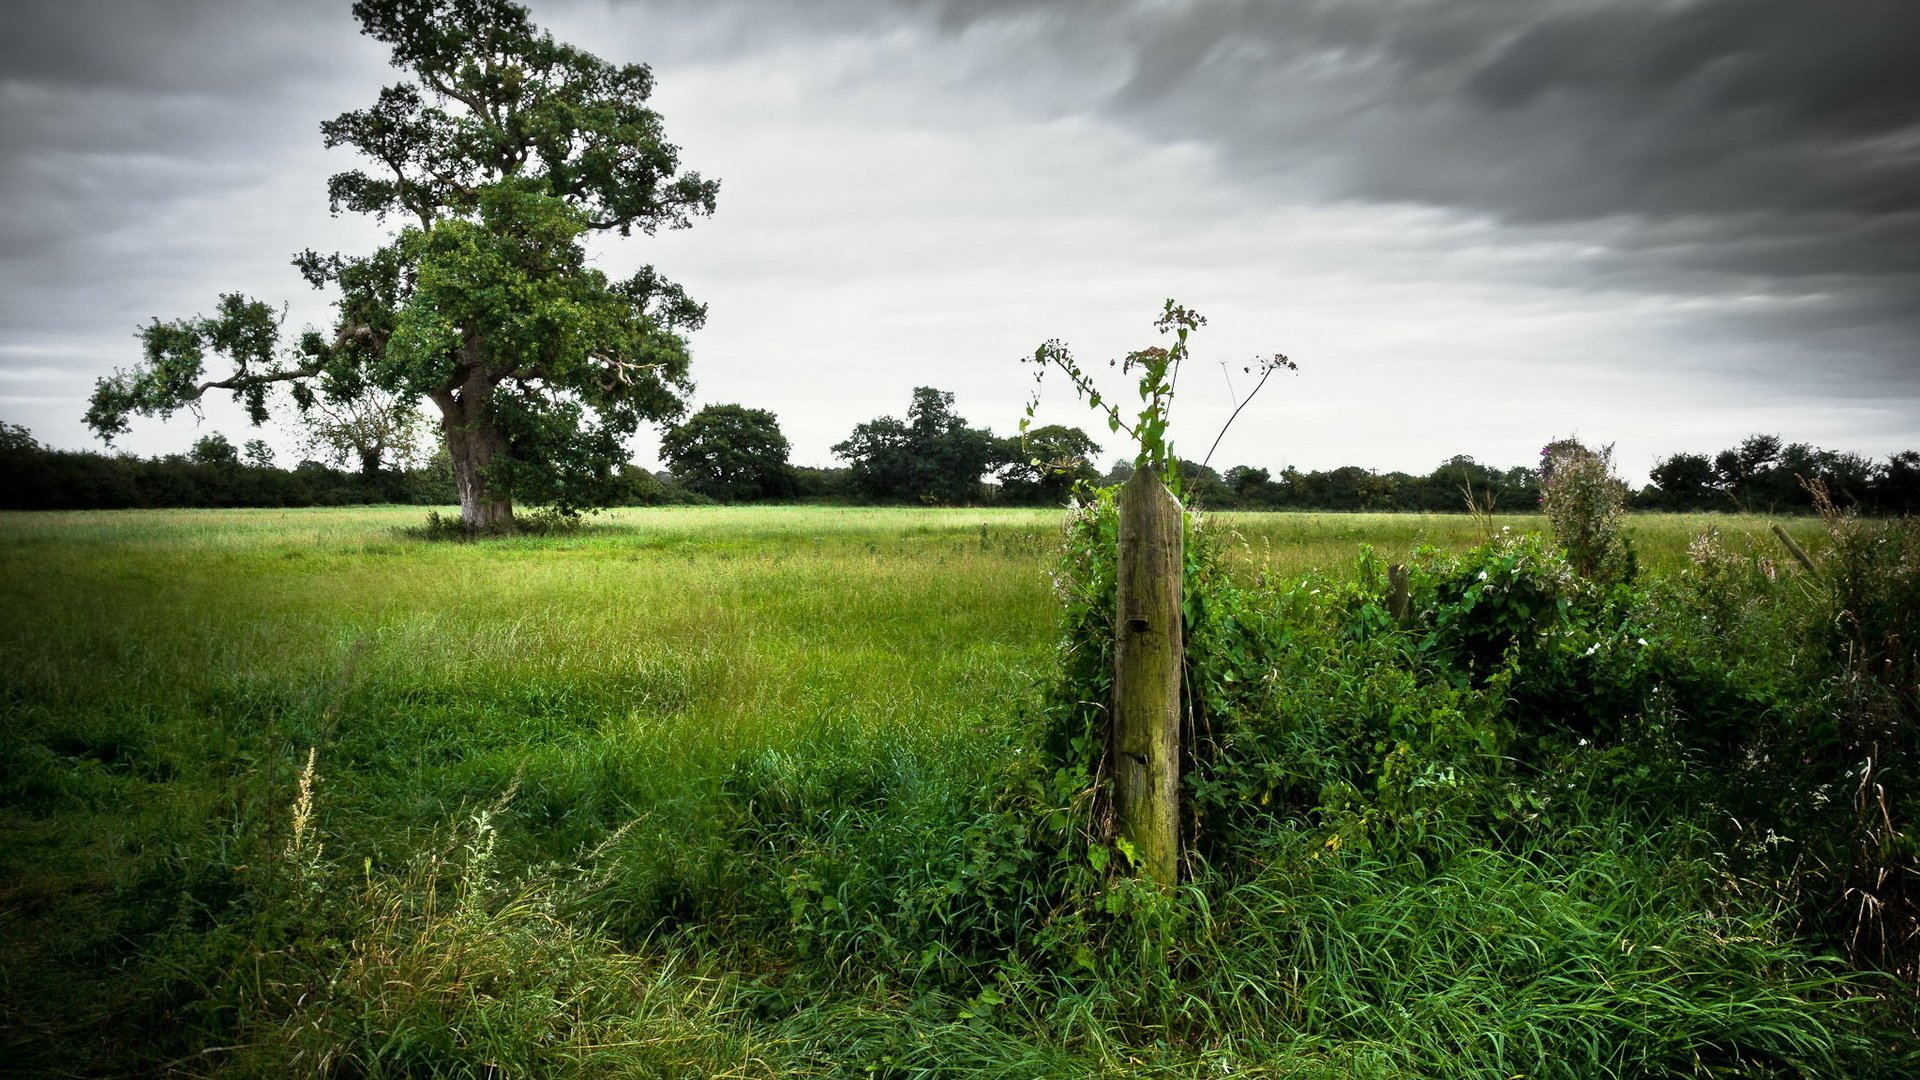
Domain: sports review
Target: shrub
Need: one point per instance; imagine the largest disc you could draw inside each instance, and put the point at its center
(1584, 503)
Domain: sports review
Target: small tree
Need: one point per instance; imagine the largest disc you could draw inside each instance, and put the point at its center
(1044, 465)
(503, 153)
(374, 431)
(1685, 482)
(1585, 503)
(214, 449)
(16, 439)
(730, 453)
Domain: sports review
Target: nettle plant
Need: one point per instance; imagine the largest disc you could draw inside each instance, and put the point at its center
(1157, 372)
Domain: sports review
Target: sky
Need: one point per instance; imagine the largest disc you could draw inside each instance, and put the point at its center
(1475, 225)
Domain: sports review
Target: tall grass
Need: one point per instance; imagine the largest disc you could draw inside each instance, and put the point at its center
(745, 792)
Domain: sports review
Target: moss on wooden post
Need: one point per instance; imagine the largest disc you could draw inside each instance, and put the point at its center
(1148, 649)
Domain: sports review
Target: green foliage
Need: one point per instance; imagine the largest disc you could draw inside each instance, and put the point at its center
(1584, 504)
(33, 477)
(1435, 811)
(1157, 371)
(730, 453)
(933, 458)
(503, 154)
(771, 824)
(1825, 664)
(1768, 474)
(375, 431)
(1045, 464)
(213, 449)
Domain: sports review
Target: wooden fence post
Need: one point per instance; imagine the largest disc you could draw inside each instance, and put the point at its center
(1399, 578)
(1148, 652)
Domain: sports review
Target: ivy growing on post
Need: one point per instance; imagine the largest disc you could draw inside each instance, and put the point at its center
(1143, 744)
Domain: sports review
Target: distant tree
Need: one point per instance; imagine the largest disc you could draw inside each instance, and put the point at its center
(932, 457)
(1351, 487)
(1896, 488)
(1742, 472)
(503, 153)
(373, 431)
(214, 449)
(16, 439)
(730, 453)
(1455, 484)
(823, 484)
(1685, 482)
(1119, 472)
(1201, 486)
(1849, 477)
(257, 454)
(1252, 487)
(1045, 465)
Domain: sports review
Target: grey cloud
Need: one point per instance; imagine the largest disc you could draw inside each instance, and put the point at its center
(162, 47)
(1706, 148)
(1701, 152)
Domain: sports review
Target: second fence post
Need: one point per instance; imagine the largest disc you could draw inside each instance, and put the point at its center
(1148, 652)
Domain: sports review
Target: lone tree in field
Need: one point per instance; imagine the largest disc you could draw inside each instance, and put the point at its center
(504, 152)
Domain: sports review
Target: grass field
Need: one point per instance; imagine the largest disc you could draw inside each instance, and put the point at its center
(563, 724)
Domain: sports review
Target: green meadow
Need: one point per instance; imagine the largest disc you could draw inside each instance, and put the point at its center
(752, 792)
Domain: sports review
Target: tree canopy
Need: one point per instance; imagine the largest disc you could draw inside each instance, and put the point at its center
(504, 152)
(1045, 464)
(730, 453)
(1766, 474)
(932, 457)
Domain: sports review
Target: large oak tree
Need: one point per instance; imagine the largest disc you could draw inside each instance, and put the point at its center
(500, 156)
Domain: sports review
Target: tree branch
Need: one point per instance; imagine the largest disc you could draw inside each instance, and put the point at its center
(242, 382)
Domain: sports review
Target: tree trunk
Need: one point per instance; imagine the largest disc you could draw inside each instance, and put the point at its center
(1148, 651)
(473, 441)
(472, 447)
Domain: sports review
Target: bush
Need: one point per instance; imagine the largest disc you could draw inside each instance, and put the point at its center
(1584, 503)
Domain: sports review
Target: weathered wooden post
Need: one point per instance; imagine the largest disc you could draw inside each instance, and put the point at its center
(1799, 553)
(1399, 578)
(1148, 650)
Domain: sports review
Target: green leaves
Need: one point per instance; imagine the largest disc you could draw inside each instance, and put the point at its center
(932, 458)
(173, 375)
(1158, 372)
(501, 153)
(730, 453)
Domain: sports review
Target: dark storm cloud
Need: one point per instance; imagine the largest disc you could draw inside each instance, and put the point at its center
(1783, 135)
(1711, 150)
(162, 46)
(118, 118)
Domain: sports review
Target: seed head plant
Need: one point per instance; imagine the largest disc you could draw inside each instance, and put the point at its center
(1158, 373)
(1585, 503)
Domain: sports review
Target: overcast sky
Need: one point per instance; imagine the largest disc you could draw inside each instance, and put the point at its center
(1476, 225)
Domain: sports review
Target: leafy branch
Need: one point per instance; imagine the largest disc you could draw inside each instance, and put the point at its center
(1158, 371)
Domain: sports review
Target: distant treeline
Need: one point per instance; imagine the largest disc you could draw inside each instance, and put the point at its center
(1762, 474)
(214, 474)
